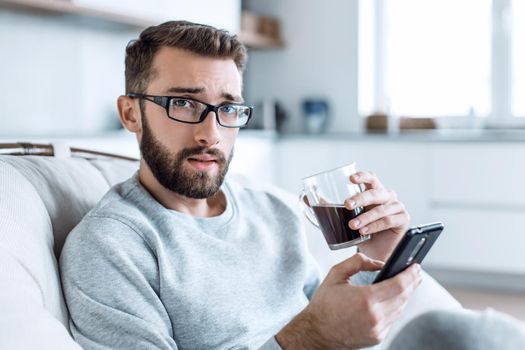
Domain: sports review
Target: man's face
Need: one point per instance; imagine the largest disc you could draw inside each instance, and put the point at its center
(189, 159)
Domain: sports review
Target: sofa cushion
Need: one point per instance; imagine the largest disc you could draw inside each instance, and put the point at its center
(41, 200)
(24, 322)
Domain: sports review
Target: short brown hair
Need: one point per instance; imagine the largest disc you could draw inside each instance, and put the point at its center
(197, 38)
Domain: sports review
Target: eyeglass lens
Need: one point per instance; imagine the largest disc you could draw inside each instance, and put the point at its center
(191, 111)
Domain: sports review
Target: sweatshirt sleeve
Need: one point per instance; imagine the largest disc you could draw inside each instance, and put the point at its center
(271, 344)
(111, 286)
(364, 278)
(313, 276)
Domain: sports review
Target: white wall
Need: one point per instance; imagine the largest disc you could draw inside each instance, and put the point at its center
(319, 59)
(58, 76)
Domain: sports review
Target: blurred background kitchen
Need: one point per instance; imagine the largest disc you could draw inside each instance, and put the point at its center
(429, 94)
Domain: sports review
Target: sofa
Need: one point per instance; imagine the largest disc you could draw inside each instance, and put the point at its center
(45, 190)
(42, 197)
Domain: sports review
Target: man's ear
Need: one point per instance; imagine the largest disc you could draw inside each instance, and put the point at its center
(129, 113)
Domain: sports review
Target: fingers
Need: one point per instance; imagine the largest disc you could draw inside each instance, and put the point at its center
(384, 211)
(397, 223)
(368, 178)
(392, 307)
(387, 300)
(381, 218)
(392, 310)
(370, 197)
(359, 262)
(403, 284)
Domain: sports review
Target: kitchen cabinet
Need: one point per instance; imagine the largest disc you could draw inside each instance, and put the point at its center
(480, 241)
(479, 190)
(254, 156)
(481, 175)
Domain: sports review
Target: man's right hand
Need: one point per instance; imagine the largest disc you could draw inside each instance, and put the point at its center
(344, 316)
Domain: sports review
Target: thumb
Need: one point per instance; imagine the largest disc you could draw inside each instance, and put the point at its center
(359, 262)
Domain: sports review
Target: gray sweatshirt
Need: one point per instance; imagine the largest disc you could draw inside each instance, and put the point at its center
(139, 276)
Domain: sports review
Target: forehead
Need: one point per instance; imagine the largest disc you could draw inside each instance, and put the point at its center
(176, 67)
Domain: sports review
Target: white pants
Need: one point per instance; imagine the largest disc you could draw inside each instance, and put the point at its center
(461, 330)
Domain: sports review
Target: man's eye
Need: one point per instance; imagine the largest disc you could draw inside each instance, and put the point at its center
(181, 103)
(228, 109)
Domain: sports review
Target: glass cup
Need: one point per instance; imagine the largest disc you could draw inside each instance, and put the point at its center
(322, 201)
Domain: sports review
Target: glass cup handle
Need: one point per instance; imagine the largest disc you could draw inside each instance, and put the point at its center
(307, 210)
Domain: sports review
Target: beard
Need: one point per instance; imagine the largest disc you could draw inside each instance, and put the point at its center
(170, 171)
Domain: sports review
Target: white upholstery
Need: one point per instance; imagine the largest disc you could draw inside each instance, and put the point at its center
(41, 200)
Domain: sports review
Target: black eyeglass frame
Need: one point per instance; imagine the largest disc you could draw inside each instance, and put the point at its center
(164, 101)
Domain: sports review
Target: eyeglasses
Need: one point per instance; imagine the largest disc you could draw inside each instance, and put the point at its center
(191, 111)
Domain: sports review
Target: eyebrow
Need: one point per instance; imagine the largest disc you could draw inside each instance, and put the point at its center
(198, 90)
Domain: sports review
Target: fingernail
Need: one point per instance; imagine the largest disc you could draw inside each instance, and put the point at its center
(355, 176)
(352, 204)
(355, 223)
(364, 230)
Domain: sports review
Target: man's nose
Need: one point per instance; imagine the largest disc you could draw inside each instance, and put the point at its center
(207, 133)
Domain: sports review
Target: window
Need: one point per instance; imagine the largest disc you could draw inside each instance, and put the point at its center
(438, 57)
(518, 58)
(366, 74)
(442, 58)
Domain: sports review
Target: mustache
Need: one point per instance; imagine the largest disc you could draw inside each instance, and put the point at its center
(195, 151)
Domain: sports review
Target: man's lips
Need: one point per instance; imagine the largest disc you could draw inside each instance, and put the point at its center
(203, 158)
(203, 162)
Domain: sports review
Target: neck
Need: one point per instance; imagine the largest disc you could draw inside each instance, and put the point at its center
(206, 207)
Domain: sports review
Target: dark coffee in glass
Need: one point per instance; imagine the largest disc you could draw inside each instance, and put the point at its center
(322, 202)
(333, 222)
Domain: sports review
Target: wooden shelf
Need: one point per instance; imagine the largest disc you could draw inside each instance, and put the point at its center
(67, 7)
(258, 41)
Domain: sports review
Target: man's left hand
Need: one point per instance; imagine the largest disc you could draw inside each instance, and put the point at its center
(385, 218)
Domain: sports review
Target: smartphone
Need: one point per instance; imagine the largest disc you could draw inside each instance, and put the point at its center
(412, 248)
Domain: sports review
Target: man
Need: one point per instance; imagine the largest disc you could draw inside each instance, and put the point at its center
(178, 258)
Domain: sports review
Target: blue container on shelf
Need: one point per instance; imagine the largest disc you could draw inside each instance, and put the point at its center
(315, 115)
